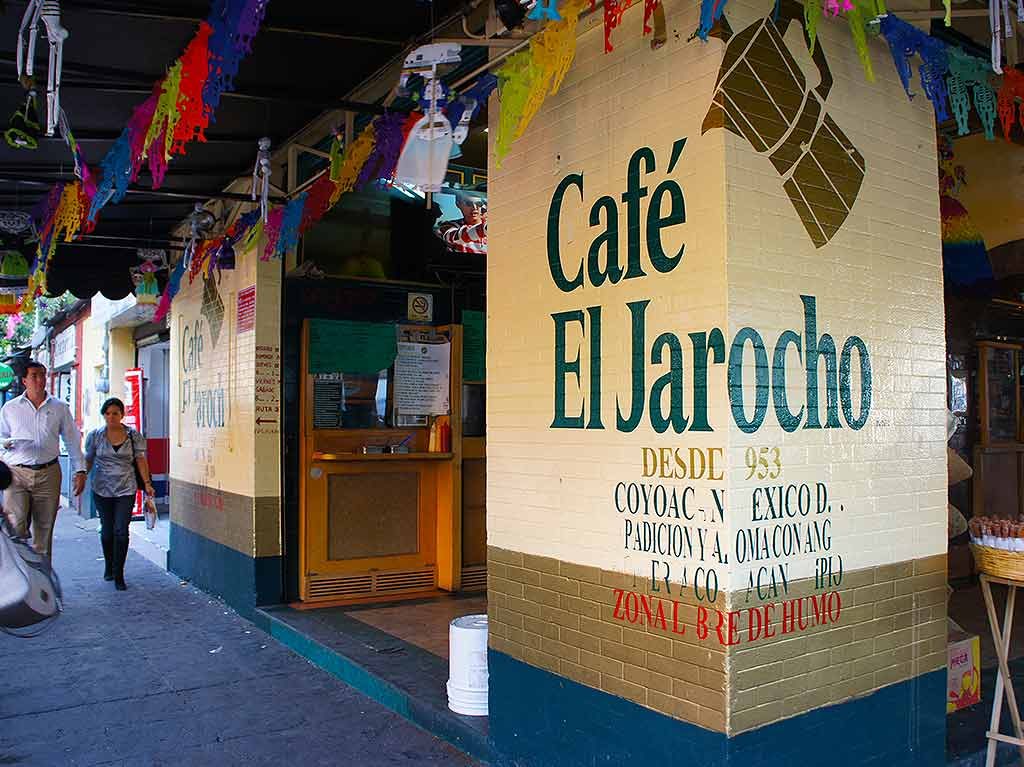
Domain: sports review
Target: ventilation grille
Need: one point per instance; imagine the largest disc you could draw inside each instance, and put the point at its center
(474, 578)
(369, 584)
(409, 580)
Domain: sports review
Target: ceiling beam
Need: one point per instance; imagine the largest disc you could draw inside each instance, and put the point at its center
(298, 27)
(107, 135)
(65, 170)
(127, 82)
(182, 195)
(312, 102)
(115, 245)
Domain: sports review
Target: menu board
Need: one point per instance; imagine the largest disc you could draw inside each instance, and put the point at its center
(422, 373)
(342, 346)
(328, 400)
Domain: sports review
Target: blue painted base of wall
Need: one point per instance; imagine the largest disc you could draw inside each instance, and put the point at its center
(243, 582)
(538, 719)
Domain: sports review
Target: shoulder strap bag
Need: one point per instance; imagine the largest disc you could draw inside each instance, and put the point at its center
(139, 481)
(30, 591)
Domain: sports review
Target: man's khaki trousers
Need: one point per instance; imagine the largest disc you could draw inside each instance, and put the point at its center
(31, 502)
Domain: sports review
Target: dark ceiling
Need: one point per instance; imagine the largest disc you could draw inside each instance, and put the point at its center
(308, 56)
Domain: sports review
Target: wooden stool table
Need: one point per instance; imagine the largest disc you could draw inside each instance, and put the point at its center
(1004, 682)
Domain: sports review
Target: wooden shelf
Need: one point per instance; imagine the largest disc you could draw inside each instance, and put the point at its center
(382, 456)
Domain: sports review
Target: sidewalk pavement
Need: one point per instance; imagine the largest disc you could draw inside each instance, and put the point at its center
(163, 674)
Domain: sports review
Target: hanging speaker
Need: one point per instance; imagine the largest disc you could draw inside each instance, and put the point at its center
(23, 129)
(226, 255)
(511, 12)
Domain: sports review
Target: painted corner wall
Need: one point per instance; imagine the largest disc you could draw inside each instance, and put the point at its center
(225, 431)
(856, 228)
(740, 564)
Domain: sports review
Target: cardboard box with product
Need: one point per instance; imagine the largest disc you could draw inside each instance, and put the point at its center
(963, 670)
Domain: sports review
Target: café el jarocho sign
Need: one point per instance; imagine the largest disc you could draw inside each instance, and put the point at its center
(783, 520)
(203, 401)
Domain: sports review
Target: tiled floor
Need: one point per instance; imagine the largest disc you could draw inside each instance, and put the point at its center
(423, 623)
(164, 674)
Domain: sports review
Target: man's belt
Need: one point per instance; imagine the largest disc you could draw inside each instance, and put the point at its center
(37, 466)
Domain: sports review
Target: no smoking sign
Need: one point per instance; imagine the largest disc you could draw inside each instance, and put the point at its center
(421, 307)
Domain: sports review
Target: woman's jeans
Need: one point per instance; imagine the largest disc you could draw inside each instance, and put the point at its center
(115, 514)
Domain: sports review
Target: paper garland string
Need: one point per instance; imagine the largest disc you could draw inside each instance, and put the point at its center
(545, 9)
(904, 41)
(388, 136)
(833, 7)
(166, 115)
(180, 108)
(173, 286)
(193, 118)
(613, 12)
(229, 45)
(971, 76)
(614, 9)
(857, 16)
(533, 74)
(336, 155)
(291, 220)
(1011, 90)
(525, 81)
(812, 13)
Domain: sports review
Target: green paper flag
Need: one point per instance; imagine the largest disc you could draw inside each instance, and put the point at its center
(339, 346)
(474, 344)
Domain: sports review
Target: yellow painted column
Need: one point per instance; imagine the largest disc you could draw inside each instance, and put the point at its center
(225, 427)
(716, 460)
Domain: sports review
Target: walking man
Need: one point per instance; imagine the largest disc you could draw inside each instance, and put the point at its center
(30, 429)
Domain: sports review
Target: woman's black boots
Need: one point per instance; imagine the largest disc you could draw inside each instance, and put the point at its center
(108, 556)
(120, 554)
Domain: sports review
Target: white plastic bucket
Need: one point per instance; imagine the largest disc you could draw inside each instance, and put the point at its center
(467, 665)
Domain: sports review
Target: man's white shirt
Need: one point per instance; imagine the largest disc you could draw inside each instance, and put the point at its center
(36, 432)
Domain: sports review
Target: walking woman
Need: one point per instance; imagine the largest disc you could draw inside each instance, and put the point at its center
(111, 454)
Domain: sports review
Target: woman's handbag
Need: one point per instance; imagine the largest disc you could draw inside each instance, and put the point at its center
(29, 588)
(139, 481)
(149, 512)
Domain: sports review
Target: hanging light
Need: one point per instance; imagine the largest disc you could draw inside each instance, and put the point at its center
(13, 265)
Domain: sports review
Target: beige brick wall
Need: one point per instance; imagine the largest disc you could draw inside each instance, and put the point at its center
(560, 616)
(892, 627)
